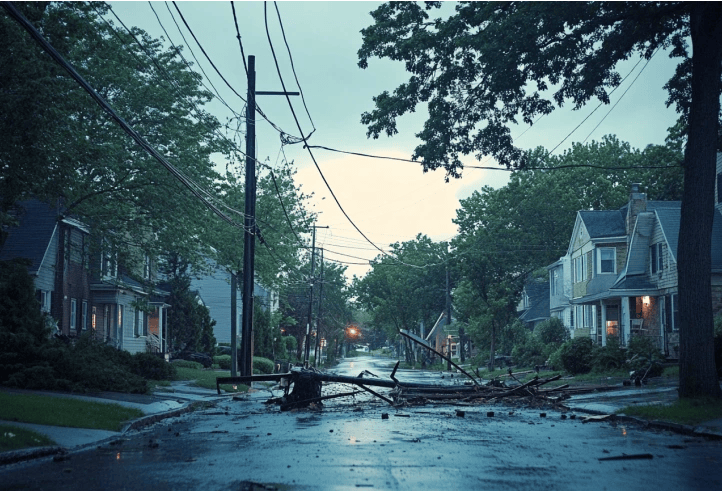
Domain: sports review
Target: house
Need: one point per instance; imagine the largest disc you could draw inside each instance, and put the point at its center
(560, 291)
(215, 290)
(534, 305)
(82, 291)
(622, 268)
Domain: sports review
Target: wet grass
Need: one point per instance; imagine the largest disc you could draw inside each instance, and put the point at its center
(207, 379)
(15, 438)
(61, 411)
(684, 411)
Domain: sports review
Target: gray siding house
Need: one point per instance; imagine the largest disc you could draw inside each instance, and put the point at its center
(80, 292)
(622, 268)
(215, 291)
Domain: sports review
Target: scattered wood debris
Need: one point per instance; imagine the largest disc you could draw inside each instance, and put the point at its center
(302, 387)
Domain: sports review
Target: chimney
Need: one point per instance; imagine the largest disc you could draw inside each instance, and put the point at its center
(637, 205)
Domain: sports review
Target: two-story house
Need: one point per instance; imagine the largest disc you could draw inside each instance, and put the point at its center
(82, 291)
(623, 272)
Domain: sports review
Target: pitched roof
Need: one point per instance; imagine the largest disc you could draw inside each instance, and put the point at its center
(30, 239)
(603, 223)
(538, 293)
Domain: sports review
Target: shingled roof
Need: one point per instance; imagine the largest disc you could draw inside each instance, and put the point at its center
(30, 239)
(603, 223)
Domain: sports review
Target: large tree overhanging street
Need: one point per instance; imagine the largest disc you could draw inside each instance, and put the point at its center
(489, 65)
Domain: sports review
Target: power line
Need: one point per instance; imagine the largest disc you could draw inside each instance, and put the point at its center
(14, 13)
(621, 96)
(293, 68)
(313, 158)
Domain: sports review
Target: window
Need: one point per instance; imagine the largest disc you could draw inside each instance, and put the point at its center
(84, 315)
(73, 313)
(580, 268)
(139, 324)
(607, 260)
(589, 316)
(93, 317)
(108, 262)
(45, 301)
(120, 321)
(571, 318)
(554, 283)
(657, 254)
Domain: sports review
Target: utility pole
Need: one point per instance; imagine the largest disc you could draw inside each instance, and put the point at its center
(318, 318)
(234, 325)
(310, 301)
(448, 312)
(249, 221)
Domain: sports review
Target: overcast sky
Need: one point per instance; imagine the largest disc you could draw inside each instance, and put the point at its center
(389, 201)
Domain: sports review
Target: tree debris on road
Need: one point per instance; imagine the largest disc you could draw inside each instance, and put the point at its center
(302, 387)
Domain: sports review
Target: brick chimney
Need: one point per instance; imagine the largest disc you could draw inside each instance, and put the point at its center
(637, 205)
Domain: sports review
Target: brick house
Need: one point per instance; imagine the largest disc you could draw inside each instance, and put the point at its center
(83, 292)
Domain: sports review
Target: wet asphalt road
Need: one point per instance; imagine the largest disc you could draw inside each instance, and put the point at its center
(347, 445)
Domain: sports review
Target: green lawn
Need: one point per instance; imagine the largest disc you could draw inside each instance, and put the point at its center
(207, 379)
(684, 411)
(61, 411)
(14, 438)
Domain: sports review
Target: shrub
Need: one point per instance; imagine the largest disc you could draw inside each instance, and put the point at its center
(223, 361)
(152, 367)
(530, 353)
(552, 331)
(644, 357)
(555, 359)
(263, 365)
(187, 364)
(576, 355)
(609, 357)
(643, 347)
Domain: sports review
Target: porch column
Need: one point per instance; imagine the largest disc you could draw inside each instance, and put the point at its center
(624, 326)
(160, 328)
(603, 306)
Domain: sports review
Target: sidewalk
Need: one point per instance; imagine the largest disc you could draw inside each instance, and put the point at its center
(610, 402)
(159, 405)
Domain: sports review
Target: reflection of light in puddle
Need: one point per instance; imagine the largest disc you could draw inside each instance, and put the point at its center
(624, 431)
(363, 432)
(351, 364)
(117, 456)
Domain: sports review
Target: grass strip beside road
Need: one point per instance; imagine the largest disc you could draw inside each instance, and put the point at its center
(62, 411)
(684, 411)
(207, 379)
(14, 438)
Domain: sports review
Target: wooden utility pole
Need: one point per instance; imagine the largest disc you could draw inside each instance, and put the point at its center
(249, 221)
(448, 313)
(318, 318)
(309, 323)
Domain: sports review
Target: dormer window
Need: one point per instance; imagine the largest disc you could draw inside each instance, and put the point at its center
(606, 262)
(657, 253)
(108, 262)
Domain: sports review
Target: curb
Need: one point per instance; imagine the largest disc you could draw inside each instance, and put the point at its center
(14, 456)
(655, 424)
(154, 418)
